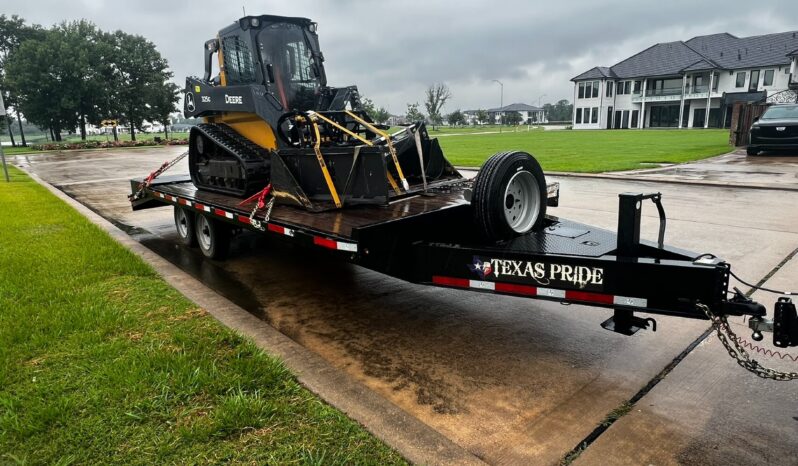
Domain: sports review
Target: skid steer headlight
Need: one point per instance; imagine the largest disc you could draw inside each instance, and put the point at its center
(255, 22)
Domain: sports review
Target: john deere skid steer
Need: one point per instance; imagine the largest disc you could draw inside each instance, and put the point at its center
(269, 117)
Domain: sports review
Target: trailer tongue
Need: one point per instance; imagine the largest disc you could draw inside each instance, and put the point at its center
(430, 238)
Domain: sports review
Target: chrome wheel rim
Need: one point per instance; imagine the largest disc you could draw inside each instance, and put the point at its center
(182, 223)
(204, 230)
(522, 201)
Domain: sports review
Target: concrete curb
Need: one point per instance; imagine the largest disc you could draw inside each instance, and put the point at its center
(416, 441)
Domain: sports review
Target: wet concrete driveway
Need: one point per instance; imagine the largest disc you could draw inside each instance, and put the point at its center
(514, 381)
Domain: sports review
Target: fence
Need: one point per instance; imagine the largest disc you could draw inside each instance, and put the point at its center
(743, 115)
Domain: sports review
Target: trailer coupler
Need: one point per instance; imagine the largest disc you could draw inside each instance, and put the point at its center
(784, 324)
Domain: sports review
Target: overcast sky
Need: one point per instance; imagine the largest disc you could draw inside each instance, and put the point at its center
(394, 50)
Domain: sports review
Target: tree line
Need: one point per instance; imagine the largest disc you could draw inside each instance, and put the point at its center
(438, 94)
(74, 74)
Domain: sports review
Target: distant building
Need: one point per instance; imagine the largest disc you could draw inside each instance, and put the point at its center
(529, 114)
(690, 84)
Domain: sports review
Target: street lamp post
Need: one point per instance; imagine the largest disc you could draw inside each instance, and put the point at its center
(501, 102)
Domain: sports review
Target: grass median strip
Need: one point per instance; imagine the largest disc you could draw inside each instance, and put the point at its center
(591, 151)
(102, 362)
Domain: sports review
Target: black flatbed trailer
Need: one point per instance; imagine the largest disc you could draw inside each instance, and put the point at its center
(429, 239)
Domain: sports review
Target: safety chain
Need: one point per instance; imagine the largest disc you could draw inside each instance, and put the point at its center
(260, 204)
(730, 341)
(147, 181)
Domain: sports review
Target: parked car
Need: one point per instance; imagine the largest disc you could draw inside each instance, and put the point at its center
(776, 129)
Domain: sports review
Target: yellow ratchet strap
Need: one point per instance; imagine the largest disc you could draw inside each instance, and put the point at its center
(342, 128)
(387, 137)
(393, 183)
(323, 165)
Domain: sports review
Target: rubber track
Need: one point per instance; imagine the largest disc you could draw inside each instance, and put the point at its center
(256, 160)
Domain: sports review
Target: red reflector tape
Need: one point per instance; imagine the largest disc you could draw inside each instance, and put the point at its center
(219, 212)
(276, 228)
(450, 281)
(199, 206)
(243, 219)
(183, 201)
(589, 297)
(325, 243)
(516, 289)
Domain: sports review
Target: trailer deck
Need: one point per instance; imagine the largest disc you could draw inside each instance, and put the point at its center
(430, 239)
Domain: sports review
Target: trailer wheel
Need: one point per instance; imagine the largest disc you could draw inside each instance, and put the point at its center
(509, 196)
(185, 226)
(213, 237)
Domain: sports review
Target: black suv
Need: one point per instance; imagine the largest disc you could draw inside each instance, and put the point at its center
(776, 129)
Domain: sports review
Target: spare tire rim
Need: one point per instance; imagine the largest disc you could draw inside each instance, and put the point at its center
(522, 201)
(182, 223)
(204, 232)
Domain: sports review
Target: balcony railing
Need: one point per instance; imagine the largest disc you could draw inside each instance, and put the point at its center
(696, 90)
(667, 91)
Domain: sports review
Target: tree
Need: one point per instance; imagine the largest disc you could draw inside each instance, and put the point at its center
(512, 118)
(368, 106)
(140, 75)
(413, 115)
(436, 97)
(13, 31)
(482, 116)
(164, 103)
(66, 92)
(381, 115)
(456, 118)
(561, 111)
(41, 85)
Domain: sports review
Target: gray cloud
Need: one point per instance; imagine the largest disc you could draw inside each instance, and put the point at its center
(394, 50)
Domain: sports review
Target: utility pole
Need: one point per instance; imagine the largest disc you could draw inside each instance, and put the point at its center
(2, 154)
(501, 103)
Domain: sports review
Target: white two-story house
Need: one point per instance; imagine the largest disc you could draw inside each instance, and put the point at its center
(690, 84)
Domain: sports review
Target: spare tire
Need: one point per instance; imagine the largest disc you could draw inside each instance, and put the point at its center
(509, 196)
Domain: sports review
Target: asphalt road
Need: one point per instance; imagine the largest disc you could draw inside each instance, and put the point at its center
(517, 381)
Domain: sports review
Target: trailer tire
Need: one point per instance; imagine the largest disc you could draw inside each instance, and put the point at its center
(213, 237)
(185, 225)
(509, 196)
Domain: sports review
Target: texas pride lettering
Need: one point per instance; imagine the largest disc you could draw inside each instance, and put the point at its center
(540, 272)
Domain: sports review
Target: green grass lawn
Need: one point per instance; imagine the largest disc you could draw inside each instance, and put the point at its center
(101, 362)
(593, 150)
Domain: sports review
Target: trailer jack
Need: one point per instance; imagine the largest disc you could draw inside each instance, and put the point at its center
(626, 323)
(784, 324)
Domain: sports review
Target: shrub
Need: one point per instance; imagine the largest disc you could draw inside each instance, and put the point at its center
(105, 144)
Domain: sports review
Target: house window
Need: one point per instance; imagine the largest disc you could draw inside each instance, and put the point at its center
(595, 89)
(588, 89)
(637, 87)
(594, 115)
(715, 80)
(586, 116)
(578, 118)
(610, 85)
(581, 90)
(698, 80)
(768, 80)
(627, 87)
(740, 79)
